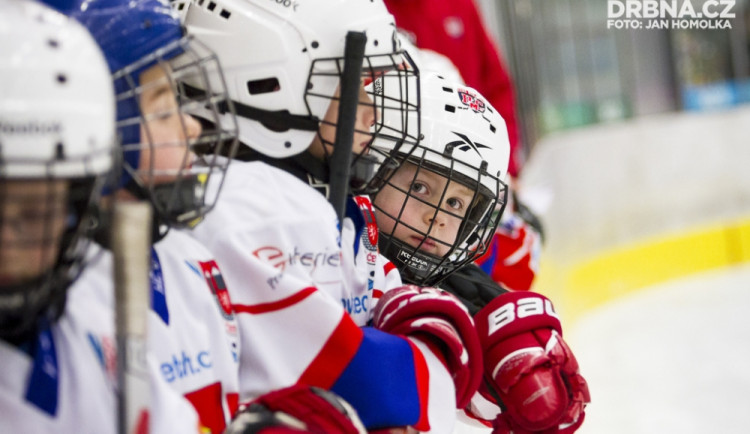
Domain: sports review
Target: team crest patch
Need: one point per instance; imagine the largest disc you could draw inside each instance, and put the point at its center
(472, 101)
(365, 205)
(218, 287)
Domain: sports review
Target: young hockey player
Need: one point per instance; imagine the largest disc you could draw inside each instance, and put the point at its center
(57, 136)
(301, 302)
(192, 331)
(436, 211)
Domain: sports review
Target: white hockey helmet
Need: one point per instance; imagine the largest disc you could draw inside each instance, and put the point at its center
(283, 61)
(466, 141)
(57, 122)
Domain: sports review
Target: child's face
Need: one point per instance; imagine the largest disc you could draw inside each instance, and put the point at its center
(165, 127)
(420, 209)
(32, 220)
(327, 132)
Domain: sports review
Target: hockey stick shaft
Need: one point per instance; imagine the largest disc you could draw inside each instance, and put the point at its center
(131, 248)
(341, 158)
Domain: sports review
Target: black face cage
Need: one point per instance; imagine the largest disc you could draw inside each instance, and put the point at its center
(474, 233)
(179, 194)
(391, 87)
(38, 299)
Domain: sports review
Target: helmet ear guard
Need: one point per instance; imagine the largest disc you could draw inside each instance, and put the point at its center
(465, 142)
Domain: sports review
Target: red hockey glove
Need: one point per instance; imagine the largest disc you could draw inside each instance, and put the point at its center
(529, 365)
(296, 409)
(411, 310)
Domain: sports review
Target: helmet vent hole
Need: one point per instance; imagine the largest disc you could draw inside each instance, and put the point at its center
(53, 43)
(314, 44)
(492, 128)
(447, 89)
(287, 145)
(450, 108)
(225, 14)
(59, 151)
(62, 78)
(264, 85)
(375, 42)
(211, 6)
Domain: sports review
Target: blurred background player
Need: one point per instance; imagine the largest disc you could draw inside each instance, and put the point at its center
(192, 332)
(300, 283)
(436, 213)
(57, 149)
(455, 29)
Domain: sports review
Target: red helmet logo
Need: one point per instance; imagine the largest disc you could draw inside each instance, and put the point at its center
(472, 101)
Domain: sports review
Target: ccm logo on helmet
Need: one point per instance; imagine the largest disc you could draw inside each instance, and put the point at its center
(470, 100)
(521, 308)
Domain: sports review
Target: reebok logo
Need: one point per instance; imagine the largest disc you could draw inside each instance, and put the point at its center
(30, 127)
(465, 144)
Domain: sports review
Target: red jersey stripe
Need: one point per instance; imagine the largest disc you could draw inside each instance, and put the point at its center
(276, 305)
(422, 374)
(335, 355)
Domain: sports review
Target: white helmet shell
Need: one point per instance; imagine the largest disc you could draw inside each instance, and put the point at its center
(285, 56)
(57, 110)
(457, 123)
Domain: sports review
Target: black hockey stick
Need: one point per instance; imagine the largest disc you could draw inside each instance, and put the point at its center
(341, 157)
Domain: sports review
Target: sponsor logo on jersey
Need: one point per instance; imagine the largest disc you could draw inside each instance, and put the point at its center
(279, 259)
(185, 365)
(355, 305)
(471, 101)
(218, 287)
(271, 255)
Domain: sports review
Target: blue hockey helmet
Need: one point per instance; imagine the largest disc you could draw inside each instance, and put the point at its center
(136, 36)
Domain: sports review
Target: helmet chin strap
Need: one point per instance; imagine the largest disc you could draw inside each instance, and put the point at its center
(279, 120)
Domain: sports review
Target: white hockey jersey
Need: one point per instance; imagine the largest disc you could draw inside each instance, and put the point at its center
(302, 303)
(192, 330)
(65, 381)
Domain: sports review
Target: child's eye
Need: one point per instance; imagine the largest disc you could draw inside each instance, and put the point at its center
(455, 203)
(419, 188)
